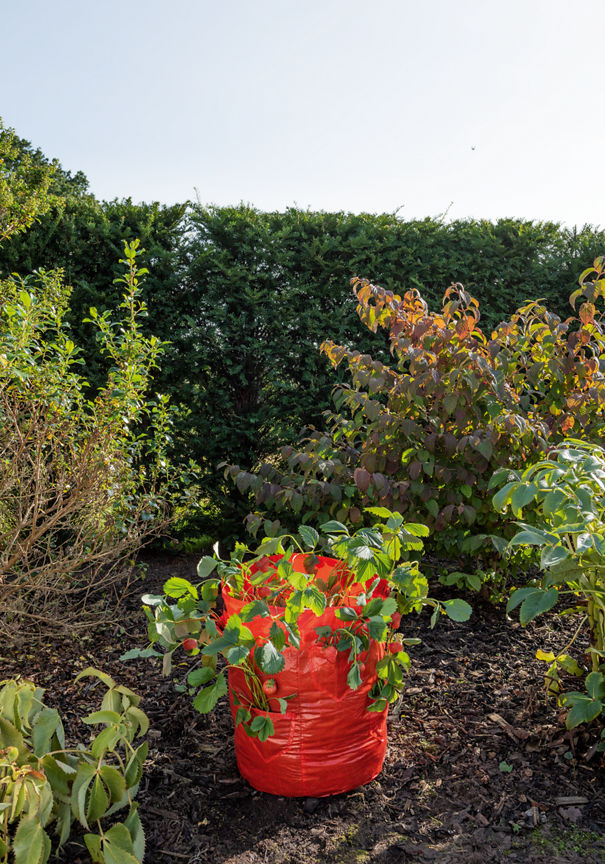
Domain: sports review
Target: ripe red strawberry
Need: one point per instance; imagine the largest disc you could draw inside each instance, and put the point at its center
(270, 687)
(189, 644)
(395, 647)
(396, 620)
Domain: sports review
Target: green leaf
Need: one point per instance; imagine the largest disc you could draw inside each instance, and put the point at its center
(530, 537)
(267, 729)
(114, 781)
(346, 613)
(389, 606)
(361, 550)
(395, 674)
(139, 719)
(79, 789)
(207, 698)
(552, 501)
(134, 768)
(205, 567)
(256, 609)
(277, 636)
(230, 637)
(486, 448)
(116, 855)
(537, 602)
(31, 844)
(93, 844)
(334, 527)
(595, 685)
(584, 710)
(354, 677)
(135, 829)
(499, 543)
(177, 587)
(374, 607)
(268, 658)
(315, 599)
(119, 837)
(209, 590)
(242, 715)
(91, 672)
(433, 507)
(377, 628)
(47, 721)
(381, 512)
(502, 497)
(236, 654)
(309, 536)
(517, 597)
(102, 717)
(104, 741)
(553, 555)
(521, 497)
(64, 822)
(58, 778)
(139, 653)
(457, 609)
(416, 528)
(450, 402)
(98, 801)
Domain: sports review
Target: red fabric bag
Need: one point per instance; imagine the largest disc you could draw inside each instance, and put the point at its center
(327, 742)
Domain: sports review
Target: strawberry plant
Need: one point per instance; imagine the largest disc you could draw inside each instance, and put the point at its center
(348, 602)
(424, 433)
(568, 527)
(43, 783)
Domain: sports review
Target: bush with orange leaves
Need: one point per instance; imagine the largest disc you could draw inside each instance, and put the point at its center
(424, 434)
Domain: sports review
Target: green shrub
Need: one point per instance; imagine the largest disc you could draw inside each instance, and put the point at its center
(43, 783)
(569, 530)
(83, 479)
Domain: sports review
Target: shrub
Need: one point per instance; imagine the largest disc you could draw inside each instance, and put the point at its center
(42, 782)
(569, 530)
(83, 478)
(424, 434)
(24, 186)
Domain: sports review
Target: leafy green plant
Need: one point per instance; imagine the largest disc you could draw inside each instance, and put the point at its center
(569, 530)
(84, 477)
(366, 584)
(43, 783)
(24, 186)
(424, 433)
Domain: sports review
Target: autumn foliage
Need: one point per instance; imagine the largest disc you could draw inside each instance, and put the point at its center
(424, 433)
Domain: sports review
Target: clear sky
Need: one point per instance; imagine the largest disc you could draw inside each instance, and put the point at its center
(480, 108)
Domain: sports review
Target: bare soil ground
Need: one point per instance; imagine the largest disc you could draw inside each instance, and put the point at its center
(479, 767)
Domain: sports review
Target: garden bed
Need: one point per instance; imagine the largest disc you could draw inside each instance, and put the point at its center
(479, 765)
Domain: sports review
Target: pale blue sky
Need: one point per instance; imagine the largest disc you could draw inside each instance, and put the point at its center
(327, 104)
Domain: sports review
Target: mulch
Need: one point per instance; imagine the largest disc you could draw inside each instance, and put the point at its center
(479, 768)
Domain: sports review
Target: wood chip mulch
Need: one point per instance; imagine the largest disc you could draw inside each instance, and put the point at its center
(480, 767)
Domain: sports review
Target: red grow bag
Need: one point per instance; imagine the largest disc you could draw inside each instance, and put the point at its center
(327, 742)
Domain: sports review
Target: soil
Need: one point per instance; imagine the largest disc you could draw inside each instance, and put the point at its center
(479, 768)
